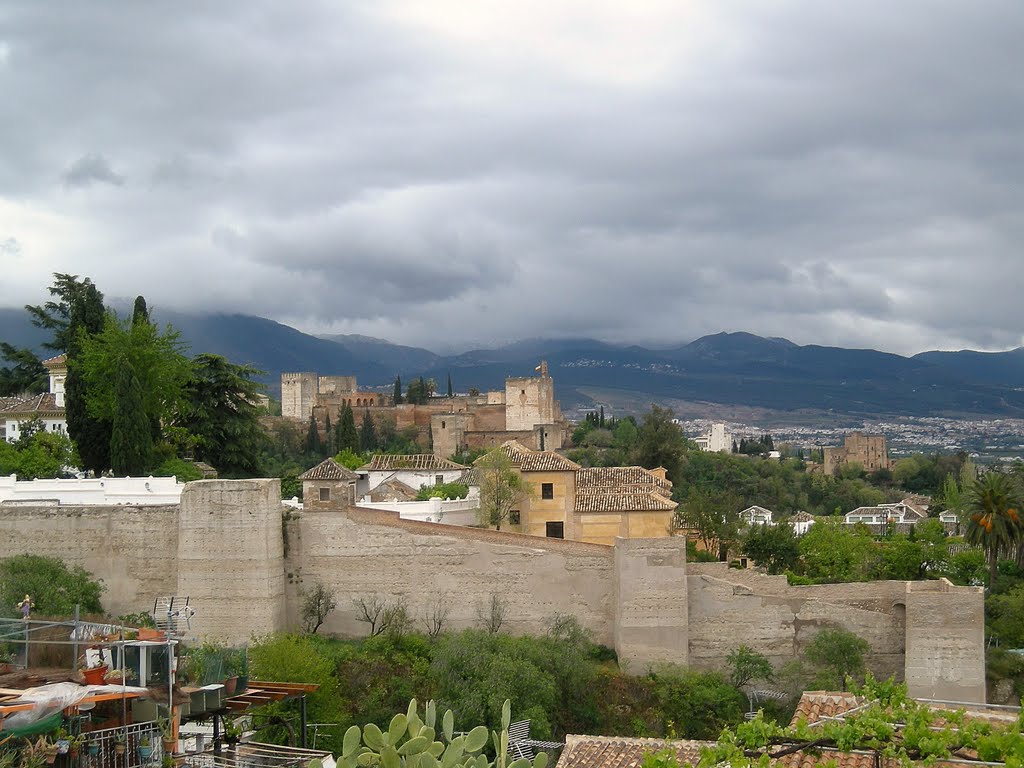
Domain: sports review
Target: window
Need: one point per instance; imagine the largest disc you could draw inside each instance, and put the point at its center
(514, 517)
(438, 479)
(555, 530)
(325, 494)
(547, 490)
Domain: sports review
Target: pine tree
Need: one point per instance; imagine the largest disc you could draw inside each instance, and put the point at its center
(450, 391)
(131, 444)
(313, 444)
(368, 432)
(219, 408)
(398, 390)
(86, 315)
(348, 436)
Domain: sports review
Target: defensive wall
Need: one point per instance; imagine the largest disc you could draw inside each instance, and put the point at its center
(244, 560)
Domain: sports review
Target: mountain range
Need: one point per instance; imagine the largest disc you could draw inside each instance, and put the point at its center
(725, 369)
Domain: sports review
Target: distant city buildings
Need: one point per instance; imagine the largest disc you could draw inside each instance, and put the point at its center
(715, 440)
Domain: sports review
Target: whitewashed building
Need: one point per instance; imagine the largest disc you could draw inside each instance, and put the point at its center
(47, 407)
(416, 471)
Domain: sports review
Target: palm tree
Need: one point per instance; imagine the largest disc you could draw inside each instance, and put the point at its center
(991, 506)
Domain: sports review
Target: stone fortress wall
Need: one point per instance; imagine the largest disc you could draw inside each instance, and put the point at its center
(526, 410)
(244, 561)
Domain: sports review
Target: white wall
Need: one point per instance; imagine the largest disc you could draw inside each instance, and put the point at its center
(134, 491)
(50, 423)
(415, 479)
(450, 512)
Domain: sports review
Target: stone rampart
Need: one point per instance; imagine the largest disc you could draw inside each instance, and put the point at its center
(231, 557)
(244, 560)
(367, 554)
(134, 550)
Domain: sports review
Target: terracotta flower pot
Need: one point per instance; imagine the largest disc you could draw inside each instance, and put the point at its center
(119, 747)
(94, 675)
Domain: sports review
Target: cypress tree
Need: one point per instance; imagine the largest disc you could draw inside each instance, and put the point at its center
(348, 436)
(450, 392)
(140, 312)
(329, 441)
(86, 315)
(398, 390)
(368, 432)
(131, 444)
(313, 444)
(601, 422)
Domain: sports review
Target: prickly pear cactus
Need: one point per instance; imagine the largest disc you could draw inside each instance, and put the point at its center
(411, 742)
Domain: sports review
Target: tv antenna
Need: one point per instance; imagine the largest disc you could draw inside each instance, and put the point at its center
(170, 611)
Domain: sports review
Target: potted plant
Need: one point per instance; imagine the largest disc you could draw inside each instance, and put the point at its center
(145, 746)
(166, 726)
(237, 666)
(49, 750)
(117, 677)
(75, 745)
(232, 732)
(35, 755)
(92, 747)
(93, 673)
(119, 744)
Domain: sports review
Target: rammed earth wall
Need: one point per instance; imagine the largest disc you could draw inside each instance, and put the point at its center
(244, 561)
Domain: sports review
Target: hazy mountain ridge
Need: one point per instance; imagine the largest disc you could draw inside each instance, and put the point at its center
(728, 368)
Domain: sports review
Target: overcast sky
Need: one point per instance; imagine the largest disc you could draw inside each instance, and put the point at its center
(449, 173)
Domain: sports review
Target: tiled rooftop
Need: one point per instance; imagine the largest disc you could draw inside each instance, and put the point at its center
(625, 478)
(609, 501)
(622, 751)
(420, 461)
(37, 404)
(329, 469)
(819, 705)
(536, 461)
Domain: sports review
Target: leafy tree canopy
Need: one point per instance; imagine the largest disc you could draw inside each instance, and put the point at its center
(220, 415)
(156, 358)
(25, 374)
(53, 586)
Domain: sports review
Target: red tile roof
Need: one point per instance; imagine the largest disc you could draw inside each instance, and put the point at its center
(622, 751)
(421, 461)
(329, 469)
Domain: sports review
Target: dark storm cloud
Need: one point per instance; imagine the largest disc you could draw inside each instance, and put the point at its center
(846, 174)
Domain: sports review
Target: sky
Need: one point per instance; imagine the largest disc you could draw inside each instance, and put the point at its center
(452, 173)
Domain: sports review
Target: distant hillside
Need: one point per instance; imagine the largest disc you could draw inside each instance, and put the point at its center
(390, 357)
(989, 367)
(728, 368)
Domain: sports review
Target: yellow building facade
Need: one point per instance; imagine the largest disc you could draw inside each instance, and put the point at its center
(590, 504)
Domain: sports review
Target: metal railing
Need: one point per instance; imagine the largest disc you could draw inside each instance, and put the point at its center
(254, 755)
(101, 749)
